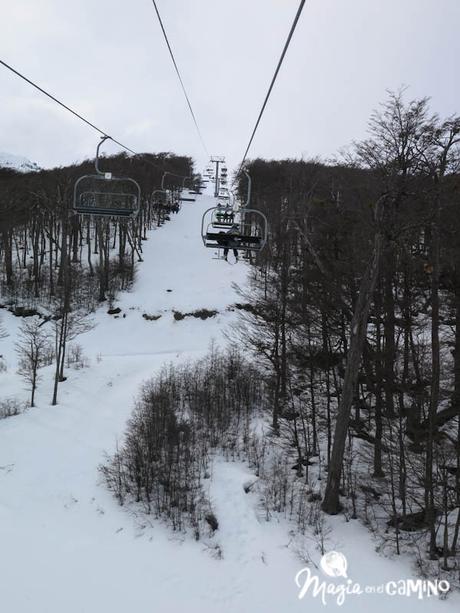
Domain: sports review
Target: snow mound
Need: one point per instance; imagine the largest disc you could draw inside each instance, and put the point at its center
(17, 162)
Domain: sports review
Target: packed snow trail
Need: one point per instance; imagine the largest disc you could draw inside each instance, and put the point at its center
(178, 274)
(65, 544)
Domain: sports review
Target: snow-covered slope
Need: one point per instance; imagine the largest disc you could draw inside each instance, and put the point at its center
(65, 544)
(17, 162)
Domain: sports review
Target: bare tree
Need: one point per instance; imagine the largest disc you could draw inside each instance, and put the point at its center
(32, 345)
(3, 332)
(358, 336)
(66, 328)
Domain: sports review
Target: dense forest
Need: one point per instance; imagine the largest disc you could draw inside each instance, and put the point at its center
(354, 311)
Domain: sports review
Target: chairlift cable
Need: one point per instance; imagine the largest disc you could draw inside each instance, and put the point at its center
(16, 72)
(275, 75)
(180, 78)
(78, 115)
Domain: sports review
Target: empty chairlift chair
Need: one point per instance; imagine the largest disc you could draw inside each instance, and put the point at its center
(104, 195)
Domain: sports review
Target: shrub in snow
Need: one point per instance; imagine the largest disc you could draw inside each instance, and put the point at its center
(198, 314)
(10, 407)
(148, 317)
(181, 417)
(75, 357)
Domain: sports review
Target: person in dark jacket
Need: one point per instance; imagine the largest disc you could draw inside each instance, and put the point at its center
(226, 238)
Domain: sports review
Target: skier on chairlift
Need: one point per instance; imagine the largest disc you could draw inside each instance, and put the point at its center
(225, 240)
(219, 213)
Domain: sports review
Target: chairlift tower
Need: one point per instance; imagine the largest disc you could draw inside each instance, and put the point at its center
(217, 159)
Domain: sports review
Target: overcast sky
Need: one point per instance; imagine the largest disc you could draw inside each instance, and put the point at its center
(108, 60)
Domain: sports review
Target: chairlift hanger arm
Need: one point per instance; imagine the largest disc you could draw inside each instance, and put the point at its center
(96, 163)
(203, 221)
(173, 174)
(186, 179)
(248, 198)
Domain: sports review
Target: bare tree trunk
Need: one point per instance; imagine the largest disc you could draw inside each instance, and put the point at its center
(389, 329)
(378, 469)
(7, 246)
(331, 502)
(435, 382)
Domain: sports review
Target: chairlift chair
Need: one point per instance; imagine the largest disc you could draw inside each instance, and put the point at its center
(104, 195)
(163, 199)
(248, 232)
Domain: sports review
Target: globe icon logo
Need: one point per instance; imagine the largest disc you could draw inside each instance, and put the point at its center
(334, 564)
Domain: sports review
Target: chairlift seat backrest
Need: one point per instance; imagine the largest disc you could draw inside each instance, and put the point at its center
(106, 195)
(223, 217)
